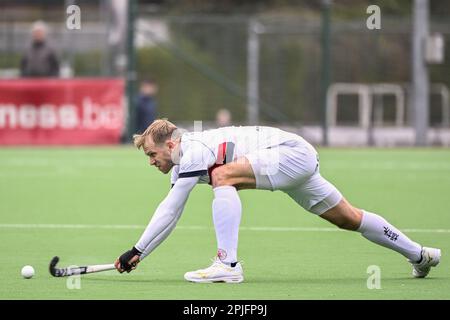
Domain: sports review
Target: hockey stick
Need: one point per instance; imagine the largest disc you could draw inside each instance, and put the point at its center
(65, 272)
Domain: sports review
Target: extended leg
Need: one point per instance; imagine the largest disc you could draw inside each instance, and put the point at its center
(374, 228)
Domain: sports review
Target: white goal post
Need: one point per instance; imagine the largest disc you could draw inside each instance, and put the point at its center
(365, 92)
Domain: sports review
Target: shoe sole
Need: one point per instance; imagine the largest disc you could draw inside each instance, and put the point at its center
(217, 280)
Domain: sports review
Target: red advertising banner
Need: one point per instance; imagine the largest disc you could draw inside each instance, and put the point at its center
(61, 111)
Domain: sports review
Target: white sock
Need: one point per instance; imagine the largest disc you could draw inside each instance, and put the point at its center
(378, 230)
(227, 211)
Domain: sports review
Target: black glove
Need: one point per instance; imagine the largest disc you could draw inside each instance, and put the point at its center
(126, 257)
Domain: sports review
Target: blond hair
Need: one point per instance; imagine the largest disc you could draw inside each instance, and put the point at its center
(159, 130)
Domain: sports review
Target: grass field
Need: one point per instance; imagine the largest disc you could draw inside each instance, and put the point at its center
(88, 205)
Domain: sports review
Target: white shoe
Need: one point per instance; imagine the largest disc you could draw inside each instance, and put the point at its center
(430, 258)
(217, 272)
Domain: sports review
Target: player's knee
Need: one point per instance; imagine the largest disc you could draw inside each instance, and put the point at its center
(219, 177)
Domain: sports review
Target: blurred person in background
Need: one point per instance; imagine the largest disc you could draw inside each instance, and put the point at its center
(223, 118)
(40, 60)
(146, 105)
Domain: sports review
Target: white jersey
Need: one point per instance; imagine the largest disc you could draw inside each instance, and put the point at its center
(202, 151)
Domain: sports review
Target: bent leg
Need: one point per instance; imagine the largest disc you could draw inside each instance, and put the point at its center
(227, 212)
(226, 206)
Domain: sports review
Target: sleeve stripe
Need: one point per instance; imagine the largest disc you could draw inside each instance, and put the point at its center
(192, 174)
(229, 155)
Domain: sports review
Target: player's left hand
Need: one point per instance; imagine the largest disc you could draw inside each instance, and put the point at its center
(128, 261)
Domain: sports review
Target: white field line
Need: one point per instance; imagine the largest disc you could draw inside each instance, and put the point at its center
(141, 227)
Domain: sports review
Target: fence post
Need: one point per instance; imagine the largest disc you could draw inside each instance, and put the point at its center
(253, 73)
(420, 82)
(325, 77)
(131, 70)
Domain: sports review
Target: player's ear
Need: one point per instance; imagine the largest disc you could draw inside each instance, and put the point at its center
(170, 144)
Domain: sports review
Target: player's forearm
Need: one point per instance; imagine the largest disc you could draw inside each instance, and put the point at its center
(166, 216)
(160, 226)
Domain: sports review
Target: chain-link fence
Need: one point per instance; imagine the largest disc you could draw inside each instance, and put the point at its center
(203, 66)
(201, 62)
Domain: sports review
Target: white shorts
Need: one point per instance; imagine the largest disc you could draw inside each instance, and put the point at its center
(293, 167)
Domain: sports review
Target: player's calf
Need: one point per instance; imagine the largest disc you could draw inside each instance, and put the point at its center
(344, 216)
(376, 229)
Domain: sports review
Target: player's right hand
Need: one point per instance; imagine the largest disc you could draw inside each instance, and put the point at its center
(128, 261)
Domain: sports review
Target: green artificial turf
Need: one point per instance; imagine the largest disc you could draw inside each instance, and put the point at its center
(89, 205)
